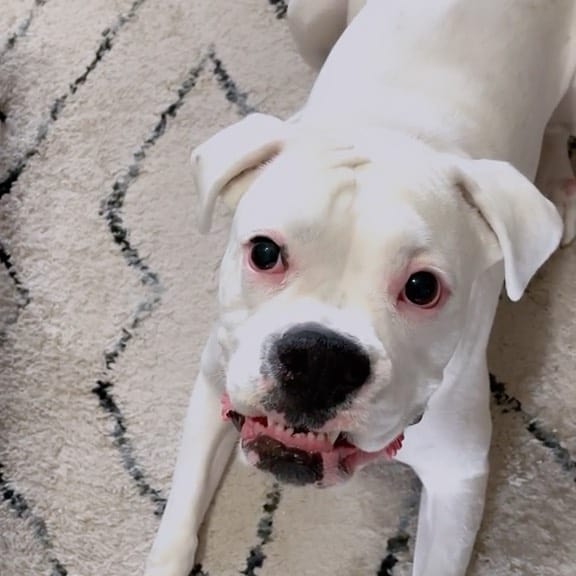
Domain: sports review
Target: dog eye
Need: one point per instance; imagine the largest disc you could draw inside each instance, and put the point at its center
(265, 254)
(422, 289)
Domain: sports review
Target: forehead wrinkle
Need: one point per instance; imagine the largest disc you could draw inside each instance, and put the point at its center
(351, 284)
(296, 199)
(328, 240)
(387, 235)
(335, 193)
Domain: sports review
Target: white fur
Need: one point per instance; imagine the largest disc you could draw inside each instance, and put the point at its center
(418, 147)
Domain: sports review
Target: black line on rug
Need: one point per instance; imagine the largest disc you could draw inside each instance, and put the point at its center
(111, 210)
(108, 37)
(231, 90)
(395, 545)
(23, 292)
(264, 532)
(122, 442)
(22, 509)
(22, 28)
(547, 438)
(398, 545)
(14, 173)
(198, 571)
(280, 7)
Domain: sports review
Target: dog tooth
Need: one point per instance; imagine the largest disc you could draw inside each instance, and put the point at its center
(332, 436)
(290, 431)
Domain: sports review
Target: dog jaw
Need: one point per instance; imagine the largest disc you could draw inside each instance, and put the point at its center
(301, 457)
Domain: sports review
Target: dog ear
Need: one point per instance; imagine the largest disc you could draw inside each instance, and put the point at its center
(527, 225)
(229, 154)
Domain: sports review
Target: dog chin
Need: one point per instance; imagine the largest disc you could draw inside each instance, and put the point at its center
(299, 456)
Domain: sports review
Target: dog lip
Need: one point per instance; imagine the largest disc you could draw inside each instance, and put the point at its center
(339, 440)
(237, 419)
(289, 465)
(417, 419)
(286, 452)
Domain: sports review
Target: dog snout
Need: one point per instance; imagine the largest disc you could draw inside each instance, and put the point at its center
(318, 368)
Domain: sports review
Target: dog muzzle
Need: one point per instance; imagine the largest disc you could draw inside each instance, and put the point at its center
(299, 456)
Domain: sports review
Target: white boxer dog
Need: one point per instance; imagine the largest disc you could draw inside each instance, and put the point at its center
(372, 235)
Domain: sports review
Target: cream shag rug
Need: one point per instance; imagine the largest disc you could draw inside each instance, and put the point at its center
(107, 293)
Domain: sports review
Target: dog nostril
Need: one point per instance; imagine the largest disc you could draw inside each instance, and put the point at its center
(357, 371)
(294, 361)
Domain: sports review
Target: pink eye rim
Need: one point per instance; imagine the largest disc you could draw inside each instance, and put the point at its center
(265, 255)
(423, 290)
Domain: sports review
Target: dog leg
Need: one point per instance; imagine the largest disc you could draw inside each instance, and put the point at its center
(450, 515)
(555, 172)
(450, 455)
(204, 452)
(316, 25)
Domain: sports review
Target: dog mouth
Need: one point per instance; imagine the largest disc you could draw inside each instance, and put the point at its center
(300, 456)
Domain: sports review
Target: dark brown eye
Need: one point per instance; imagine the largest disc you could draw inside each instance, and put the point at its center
(422, 289)
(265, 254)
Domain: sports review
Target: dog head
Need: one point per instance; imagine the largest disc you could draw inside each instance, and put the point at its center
(346, 282)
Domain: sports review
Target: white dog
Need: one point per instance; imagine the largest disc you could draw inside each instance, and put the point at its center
(371, 239)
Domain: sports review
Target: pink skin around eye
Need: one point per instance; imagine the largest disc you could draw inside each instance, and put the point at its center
(273, 275)
(405, 306)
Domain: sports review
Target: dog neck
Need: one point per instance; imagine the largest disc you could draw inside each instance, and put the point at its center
(428, 70)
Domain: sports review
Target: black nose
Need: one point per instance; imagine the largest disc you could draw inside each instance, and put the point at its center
(318, 368)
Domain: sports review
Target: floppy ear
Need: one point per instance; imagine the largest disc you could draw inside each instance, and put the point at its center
(230, 153)
(527, 225)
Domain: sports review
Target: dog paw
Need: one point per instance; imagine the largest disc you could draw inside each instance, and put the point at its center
(563, 195)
